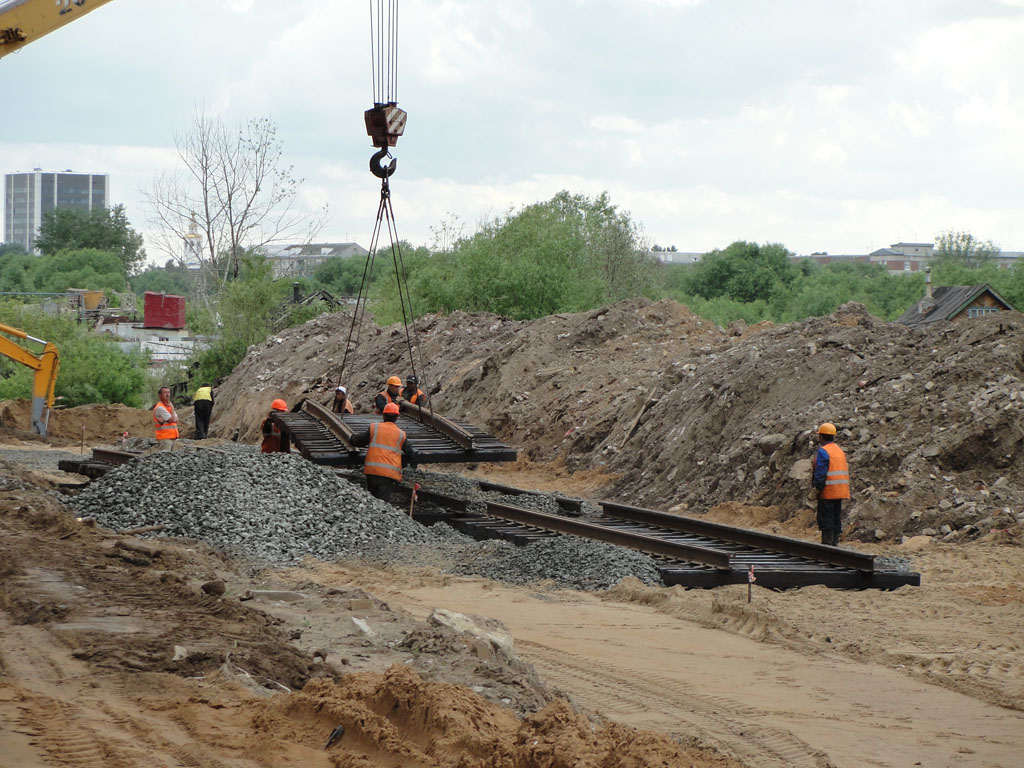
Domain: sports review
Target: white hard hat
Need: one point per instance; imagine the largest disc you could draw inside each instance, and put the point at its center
(342, 389)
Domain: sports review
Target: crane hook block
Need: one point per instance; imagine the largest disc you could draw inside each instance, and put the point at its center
(385, 123)
(377, 168)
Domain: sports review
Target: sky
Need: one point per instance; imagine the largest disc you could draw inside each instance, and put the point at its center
(825, 126)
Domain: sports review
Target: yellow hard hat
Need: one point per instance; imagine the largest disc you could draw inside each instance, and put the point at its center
(828, 428)
(394, 380)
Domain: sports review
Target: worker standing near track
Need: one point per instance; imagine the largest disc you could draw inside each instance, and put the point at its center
(412, 392)
(202, 404)
(388, 449)
(341, 403)
(166, 419)
(831, 483)
(389, 394)
(273, 440)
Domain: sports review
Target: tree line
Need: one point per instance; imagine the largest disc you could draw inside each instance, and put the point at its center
(232, 196)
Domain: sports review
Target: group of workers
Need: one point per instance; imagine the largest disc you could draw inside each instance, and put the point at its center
(388, 447)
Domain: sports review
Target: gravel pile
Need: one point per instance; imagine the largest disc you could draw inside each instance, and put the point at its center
(278, 508)
(274, 508)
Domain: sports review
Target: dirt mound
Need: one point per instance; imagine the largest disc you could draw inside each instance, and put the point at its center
(119, 652)
(676, 413)
(96, 424)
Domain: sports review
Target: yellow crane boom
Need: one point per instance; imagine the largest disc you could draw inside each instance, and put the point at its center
(46, 365)
(24, 21)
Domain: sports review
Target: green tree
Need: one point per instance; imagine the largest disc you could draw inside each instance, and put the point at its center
(17, 270)
(170, 278)
(247, 308)
(80, 268)
(964, 248)
(93, 369)
(104, 229)
(743, 272)
(567, 254)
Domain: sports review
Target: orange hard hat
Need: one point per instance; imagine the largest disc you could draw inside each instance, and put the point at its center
(279, 405)
(828, 428)
(392, 408)
(394, 380)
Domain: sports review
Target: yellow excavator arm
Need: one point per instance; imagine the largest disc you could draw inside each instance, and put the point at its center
(24, 21)
(46, 365)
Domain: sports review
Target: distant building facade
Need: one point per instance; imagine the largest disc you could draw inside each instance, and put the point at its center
(30, 196)
(302, 260)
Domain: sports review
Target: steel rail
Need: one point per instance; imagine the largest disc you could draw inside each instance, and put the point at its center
(713, 557)
(843, 558)
(113, 456)
(334, 425)
(446, 426)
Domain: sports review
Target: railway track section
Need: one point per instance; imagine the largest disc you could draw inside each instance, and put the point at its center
(324, 437)
(690, 552)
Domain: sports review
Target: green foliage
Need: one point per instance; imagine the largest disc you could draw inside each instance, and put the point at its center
(93, 367)
(720, 288)
(82, 268)
(247, 310)
(170, 278)
(343, 276)
(101, 229)
(17, 271)
(965, 249)
(567, 254)
(744, 272)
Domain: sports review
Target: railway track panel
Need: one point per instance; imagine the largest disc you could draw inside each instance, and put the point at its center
(690, 552)
(321, 437)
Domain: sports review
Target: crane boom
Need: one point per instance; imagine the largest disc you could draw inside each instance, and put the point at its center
(25, 21)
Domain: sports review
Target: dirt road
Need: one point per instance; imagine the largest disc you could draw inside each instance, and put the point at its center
(693, 666)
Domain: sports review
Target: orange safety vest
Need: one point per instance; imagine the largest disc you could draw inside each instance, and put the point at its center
(837, 481)
(387, 396)
(416, 396)
(384, 456)
(166, 430)
(347, 407)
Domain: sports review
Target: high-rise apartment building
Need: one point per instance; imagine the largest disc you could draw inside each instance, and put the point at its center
(29, 196)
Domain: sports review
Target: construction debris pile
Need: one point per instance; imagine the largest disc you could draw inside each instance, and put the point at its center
(278, 508)
(682, 415)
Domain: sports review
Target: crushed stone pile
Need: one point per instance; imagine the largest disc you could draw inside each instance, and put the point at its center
(682, 415)
(277, 509)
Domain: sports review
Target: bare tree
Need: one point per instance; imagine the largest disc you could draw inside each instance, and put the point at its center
(231, 196)
(965, 248)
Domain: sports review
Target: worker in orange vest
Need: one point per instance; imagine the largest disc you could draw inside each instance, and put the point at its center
(390, 394)
(166, 419)
(388, 448)
(412, 392)
(273, 440)
(831, 482)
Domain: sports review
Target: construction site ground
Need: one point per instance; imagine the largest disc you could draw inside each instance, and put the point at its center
(637, 676)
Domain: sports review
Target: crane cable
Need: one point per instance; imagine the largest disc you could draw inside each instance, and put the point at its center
(384, 80)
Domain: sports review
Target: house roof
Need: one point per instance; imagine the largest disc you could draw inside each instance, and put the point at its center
(950, 300)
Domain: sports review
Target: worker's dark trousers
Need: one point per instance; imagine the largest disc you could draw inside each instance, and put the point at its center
(381, 487)
(830, 522)
(203, 410)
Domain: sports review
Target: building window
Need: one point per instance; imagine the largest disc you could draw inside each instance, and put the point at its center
(906, 266)
(979, 311)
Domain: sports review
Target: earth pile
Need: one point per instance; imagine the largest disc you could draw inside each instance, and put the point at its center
(680, 414)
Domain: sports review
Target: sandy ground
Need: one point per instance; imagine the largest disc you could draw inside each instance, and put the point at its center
(91, 623)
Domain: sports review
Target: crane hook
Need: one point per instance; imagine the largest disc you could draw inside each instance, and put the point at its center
(377, 168)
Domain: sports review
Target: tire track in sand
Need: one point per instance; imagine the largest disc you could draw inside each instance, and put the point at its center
(727, 724)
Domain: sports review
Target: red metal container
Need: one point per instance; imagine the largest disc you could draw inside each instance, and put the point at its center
(163, 310)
